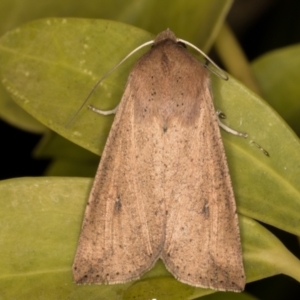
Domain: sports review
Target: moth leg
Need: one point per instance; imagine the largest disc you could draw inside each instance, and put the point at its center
(220, 114)
(103, 112)
(226, 128)
(264, 151)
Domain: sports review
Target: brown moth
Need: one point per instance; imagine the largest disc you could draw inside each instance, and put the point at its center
(163, 189)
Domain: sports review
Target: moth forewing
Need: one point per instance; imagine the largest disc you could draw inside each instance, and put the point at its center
(163, 189)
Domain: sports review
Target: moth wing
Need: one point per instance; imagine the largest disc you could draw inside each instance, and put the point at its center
(202, 246)
(122, 234)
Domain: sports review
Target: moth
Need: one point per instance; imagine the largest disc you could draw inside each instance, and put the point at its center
(163, 188)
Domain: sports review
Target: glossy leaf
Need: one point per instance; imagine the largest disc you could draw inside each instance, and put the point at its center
(51, 85)
(14, 115)
(206, 17)
(278, 74)
(68, 159)
(40, 222)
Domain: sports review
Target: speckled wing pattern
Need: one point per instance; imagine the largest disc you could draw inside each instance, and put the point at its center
(163, 188)
(120, 239)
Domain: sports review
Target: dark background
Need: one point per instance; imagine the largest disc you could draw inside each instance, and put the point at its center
(260, 26)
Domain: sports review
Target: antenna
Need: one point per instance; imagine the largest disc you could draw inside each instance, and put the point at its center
(103, 77)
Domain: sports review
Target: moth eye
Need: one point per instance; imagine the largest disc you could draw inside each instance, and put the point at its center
(181, 44)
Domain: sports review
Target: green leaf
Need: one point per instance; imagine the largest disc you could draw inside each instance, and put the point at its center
(68, 159)
(40, 222)
(278, 74)
(11, 113)
(266, 188)
(52, 84)
(206, 17)
(196, 21)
